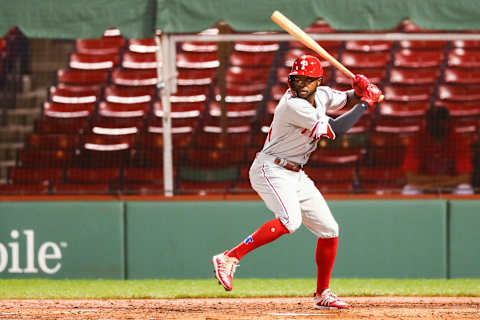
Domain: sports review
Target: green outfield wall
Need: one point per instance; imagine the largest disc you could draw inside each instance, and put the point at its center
(75, 240)
(147, 239)
(464, 240)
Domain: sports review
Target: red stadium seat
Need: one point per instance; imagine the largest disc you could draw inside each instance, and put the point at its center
(376, 75)
(92, 61)
(53, 141)
(403, 109)
(202, 46)
(241, 187)
(367, 45)
(134, 60)
(244, 46)
(335, 157)
(21, 175)
(381, 180)
(399, 125)
(214, 158)
(121, 126)
(365, 59)
(461, 75)
(387, 148)
(195, 77)
(203, 188)
(181, 110)
(94, 175)
(398, 92)
(418, 59)
(40, 158)
(465, 58)
(241, 93)
(144, 180)
(146, 45)
(135, 78)
(319, 26)
(189, 94)
(277, 91)
(331, 175)
(129, 95)
(16, 189)
(68, 94)
(194, 60)
(423, 45)
(199, 46)
(79, 77)
(236, 74)
(414, 75)
(122, 110)
(144, 175)
(154, 139)
(292, 54)
(81, 188)
(345, 187)
(474, 44)
(461, 108)
(468, 92)
(153, 157)
(216, 140)
(102, 46)
(61, 125)
(283, 72)
(234, 110)
(68, 110)
(103, 154)
(257, 47)
(248, 59)
(112, 32)
(409, 26)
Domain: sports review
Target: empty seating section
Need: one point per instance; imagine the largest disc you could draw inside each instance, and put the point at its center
(101, 128)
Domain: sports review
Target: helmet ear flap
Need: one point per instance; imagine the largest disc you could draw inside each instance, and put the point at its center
(289, 82)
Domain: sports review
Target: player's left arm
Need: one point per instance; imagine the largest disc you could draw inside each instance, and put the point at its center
(347, 120)
(350, 97)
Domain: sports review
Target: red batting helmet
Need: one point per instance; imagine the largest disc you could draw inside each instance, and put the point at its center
(305, 65)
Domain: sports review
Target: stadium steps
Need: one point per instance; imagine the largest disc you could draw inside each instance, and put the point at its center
(12, 139)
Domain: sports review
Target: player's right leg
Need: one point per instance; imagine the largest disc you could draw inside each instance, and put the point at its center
(276, 186)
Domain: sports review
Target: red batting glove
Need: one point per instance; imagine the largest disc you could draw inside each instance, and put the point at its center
(360, 84)
(371, 94)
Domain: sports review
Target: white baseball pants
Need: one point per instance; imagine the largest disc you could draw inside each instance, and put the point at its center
(292, 197)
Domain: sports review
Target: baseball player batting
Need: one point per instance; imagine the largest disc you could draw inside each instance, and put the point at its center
(277, 174)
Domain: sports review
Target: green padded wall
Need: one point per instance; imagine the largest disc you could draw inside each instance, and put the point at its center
(62, 240)
(464, 250)
(398, 239)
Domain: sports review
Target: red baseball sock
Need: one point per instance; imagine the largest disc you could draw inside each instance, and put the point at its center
(270, 231)
(325, 257)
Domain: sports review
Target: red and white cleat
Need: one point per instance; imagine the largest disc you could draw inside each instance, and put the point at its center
(224, 268)
(328, 300)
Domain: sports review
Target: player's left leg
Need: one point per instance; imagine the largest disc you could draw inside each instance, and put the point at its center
(319, 220)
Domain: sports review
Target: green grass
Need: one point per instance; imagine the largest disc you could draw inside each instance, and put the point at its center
(41, 288)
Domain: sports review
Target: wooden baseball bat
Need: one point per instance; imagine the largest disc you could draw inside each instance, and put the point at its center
(287, 25)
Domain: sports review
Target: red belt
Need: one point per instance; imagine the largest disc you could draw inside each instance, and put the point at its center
(287, 164)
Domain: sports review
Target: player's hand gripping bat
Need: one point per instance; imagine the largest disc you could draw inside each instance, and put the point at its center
(287, 25)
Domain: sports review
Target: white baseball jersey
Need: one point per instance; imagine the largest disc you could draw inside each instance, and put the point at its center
(297, 125)
(292, 196)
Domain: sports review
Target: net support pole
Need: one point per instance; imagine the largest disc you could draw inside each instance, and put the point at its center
(164, 85)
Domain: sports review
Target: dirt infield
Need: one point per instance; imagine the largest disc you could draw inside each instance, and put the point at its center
(242, 309)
